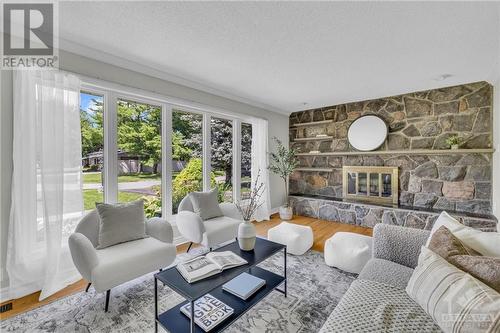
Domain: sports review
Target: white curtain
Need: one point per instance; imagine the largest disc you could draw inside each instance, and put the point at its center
(46, 182)
(260, 158)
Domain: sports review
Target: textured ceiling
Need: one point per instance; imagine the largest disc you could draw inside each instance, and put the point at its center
(285, 54)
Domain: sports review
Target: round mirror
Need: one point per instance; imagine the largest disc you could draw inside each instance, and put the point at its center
(367, 133)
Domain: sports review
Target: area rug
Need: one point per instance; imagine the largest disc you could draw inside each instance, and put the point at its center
(313, 291)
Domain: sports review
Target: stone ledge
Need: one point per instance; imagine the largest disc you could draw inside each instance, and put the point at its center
(368, 214)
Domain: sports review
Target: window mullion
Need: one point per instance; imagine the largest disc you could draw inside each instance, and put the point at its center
(110, 149)
(207, 141)
(166, 164)
(236, 160)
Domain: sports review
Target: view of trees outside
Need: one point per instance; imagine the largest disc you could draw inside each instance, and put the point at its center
(246, 160)
(139, 154)
(187, 151)
(221, 132)
(91, 123)
(140, 149)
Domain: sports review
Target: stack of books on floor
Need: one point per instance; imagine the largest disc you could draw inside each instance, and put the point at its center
(244, 285)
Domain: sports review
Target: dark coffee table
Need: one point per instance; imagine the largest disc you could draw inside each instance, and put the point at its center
(176, 322)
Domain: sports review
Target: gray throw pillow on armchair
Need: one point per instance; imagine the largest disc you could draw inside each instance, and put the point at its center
(119, 223)
(206, 204)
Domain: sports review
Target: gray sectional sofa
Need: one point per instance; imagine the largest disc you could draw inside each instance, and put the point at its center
(377, 300)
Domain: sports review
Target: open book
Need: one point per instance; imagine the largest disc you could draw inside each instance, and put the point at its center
(210, 264)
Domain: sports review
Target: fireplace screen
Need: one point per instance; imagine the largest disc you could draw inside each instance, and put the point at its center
(377, 184)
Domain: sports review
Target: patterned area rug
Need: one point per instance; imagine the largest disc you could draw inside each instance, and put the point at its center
(313, 291)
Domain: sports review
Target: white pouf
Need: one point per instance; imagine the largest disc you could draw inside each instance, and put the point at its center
(348, 251)
(297, 238)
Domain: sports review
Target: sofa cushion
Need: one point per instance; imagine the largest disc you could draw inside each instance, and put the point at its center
(370, 306)
(483, 242)
(120, 222)
(219, 230)
(456, 301)
(127, 261)
(450, 248)
(206, 204)
(388, 272)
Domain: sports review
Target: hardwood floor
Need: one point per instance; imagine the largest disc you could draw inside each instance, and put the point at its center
(322, 230)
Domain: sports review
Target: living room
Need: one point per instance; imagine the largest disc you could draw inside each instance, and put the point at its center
(256, 166)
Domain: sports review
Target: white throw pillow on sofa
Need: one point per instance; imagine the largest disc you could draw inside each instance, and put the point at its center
(455, 300)
(486, 243)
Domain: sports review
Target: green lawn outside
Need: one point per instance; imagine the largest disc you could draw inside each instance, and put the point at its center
(90, 197)
(90, 178)
(95, 178)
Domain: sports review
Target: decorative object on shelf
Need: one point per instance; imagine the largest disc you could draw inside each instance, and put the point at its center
(454, 141)
(246, 230)
(321, 135)
(283, 163)
(367, 133)
(314, 152)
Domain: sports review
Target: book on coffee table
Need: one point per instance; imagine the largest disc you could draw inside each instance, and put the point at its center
(210, 264)
(244, 285)
(209, 312)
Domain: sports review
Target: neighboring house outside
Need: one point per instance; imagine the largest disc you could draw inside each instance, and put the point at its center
(127, 163)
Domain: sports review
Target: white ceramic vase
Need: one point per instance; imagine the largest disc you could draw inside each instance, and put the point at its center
(286, 213)
(246, 236)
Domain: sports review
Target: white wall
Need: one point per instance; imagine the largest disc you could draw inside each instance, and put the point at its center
(278, 123)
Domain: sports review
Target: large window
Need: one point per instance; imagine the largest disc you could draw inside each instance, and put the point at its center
(92, 124)
(222, 157)
(135, 146)
(139, 154)
(187, 152)
(246, 160)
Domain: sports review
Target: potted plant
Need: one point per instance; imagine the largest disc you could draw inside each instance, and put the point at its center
(454, 141)
(246, 230)
(282, 163)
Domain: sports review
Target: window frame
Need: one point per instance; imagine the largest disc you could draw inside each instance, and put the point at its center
(111, 92)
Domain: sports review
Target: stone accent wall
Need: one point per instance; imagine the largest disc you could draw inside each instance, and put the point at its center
(421, 120)
(368, 215)
(454, 182)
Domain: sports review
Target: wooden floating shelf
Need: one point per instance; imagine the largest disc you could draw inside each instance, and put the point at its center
(316, 138)
(404, 152)
(312, 123)
(315, 169)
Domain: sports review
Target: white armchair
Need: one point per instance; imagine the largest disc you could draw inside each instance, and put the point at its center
(109, 267)
(210, 232)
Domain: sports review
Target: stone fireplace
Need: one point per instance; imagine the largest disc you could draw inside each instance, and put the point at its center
(370, 184)
(430, 176)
